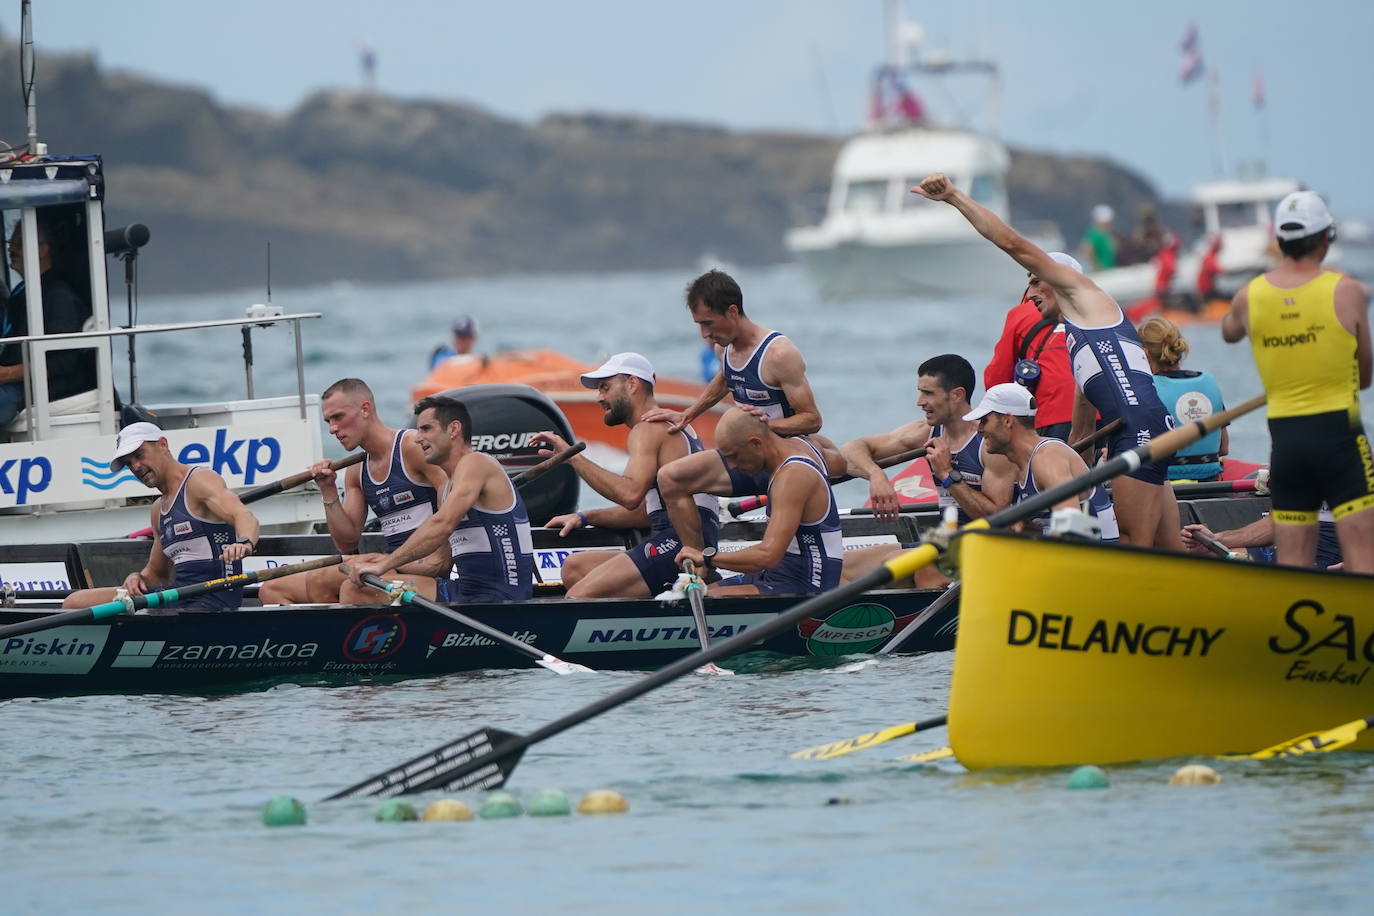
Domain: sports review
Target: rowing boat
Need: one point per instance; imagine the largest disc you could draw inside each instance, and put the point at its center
(1098, 654)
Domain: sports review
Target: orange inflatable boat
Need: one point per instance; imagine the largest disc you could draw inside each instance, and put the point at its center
(559, 377)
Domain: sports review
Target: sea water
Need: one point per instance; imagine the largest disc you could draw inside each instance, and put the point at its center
(151, 803)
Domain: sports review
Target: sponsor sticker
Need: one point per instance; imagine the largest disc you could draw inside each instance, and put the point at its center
(850, 631)
(623, 634)
(35, 576)
(374, 638)
(64, 650)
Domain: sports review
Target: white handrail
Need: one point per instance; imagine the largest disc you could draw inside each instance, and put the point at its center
(157, 328)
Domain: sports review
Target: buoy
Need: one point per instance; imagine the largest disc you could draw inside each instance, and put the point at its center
(603, 801)
(396, 810)
(500, 804)
(283, 811)
(1088, 777)
(447, 809)
(548, 803)
(1195, 774)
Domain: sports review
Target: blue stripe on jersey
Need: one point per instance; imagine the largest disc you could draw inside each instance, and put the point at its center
(399, 502)
(747, 386)
(1099, 500)
(194, 545)
(1110, 366)
(494, 551)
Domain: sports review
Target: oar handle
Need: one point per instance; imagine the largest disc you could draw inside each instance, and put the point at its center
(409, 596)
(548, 464)
(295, 480)
(1211, 543)
(1095, 435)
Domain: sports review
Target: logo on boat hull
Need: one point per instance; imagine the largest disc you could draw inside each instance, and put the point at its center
(627, 634)
(374, 638)
(849, 631)
(66, 650)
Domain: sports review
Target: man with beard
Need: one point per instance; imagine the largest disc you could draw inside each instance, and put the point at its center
(801, 550)
(625, 391)
(1109, 365)
(480, 514)
(1006, 420)
(200, 529)
(966, 476)
(394, 482)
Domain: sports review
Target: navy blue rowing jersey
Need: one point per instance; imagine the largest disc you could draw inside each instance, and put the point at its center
(747, 386)
(400, 502)
(194, 545)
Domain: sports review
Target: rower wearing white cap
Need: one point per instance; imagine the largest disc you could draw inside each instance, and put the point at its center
(625, 392)
(1309, 333)
(201, 531)
(1109, 365)
(1006, 418)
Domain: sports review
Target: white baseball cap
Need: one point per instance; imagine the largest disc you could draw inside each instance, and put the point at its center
(1067, 260)
(1008, 398)
(1103, 214)
(620, 364)
(1301, 214)
(130, 438)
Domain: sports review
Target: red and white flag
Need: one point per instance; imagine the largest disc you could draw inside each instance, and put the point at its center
(1192, 66)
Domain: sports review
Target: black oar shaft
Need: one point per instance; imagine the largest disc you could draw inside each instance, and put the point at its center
(471, 623)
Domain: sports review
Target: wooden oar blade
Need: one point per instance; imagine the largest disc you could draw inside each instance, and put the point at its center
(476, 760)
(1315, 742)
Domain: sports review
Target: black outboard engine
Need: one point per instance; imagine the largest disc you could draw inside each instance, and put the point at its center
(504, 418)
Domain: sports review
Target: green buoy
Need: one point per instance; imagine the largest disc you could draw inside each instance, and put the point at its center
(396, 810)
(500, 804)
(283, 811)
(549, 803)
(1088, 777)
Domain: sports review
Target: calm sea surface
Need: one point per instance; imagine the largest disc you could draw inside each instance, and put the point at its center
(151, 803)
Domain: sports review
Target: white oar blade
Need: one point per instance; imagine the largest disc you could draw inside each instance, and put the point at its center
(713, 668)
(558, 666)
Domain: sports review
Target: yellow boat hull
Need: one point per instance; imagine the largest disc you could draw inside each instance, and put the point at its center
(1072, 653)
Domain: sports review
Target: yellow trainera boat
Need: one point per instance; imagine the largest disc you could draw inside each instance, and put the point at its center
(1072, 652)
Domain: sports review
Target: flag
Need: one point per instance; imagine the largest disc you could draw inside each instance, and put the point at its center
(1192, 66)
(1257, 89)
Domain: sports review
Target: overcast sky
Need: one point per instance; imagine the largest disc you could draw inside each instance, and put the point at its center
(1076, 77)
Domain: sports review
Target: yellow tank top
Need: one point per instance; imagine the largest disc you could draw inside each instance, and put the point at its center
(1305, 357)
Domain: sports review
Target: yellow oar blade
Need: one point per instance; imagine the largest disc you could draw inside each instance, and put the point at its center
(1314, 743)
(940, 753)
(859, 742)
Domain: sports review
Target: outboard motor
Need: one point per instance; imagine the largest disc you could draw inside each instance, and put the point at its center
(504, 418)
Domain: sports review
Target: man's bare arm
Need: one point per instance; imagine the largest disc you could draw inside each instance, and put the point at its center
(783, 367)
(1352, 307)
(1234, 323)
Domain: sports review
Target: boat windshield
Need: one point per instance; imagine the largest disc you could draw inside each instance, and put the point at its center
(866, 196)
(1237, 214)
(986, 189)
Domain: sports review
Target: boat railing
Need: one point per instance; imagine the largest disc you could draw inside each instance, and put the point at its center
(38, 417)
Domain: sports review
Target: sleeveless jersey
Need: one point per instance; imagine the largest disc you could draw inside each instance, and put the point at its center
(1099, 501)
(493, 552)
(400, 502)
(707, 505)
(1191, 396)
(194, 545)
(968, 461)
(1109, 364)
(1305, 357)
(815, 554)
(747, 386)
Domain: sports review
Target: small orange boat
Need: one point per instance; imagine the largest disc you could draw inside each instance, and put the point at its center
(559, 377)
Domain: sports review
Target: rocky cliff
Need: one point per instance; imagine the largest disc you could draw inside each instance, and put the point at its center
(353, 186)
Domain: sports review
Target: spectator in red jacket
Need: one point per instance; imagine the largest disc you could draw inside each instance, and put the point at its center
(1027, 337)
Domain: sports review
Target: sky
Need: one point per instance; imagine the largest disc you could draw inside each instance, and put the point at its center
(1096, 78)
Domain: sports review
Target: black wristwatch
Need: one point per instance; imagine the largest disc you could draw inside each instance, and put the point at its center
(708, 554)
(252, 545)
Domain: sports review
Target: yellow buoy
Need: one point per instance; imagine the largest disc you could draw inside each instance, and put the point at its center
(603, 801)
(447, 809)
(1195, 774)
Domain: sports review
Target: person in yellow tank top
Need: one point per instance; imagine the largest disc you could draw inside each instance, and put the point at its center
(1309, 333)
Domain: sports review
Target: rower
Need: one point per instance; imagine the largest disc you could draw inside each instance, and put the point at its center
(1006, 418)
(1108, 363)
(966, 476)
(395, 483)
(625, 392)
(1309, 333)
(801, 551)
(480, 514)
(765, 374)
(200, 529)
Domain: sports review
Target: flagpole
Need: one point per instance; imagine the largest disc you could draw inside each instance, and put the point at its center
(1220, 159)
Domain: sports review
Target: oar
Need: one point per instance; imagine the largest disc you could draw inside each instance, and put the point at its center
(1217, 547)
(488, 756)
(1313, 742)
(695, 592)
(408, 596)
(1216, 487)
(950, 593)
(859, 742)
(272, 489)
(548, 464)
(164, 597)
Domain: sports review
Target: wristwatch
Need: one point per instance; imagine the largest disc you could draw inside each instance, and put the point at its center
(708, 554)
(953, 478)
(249, 541)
